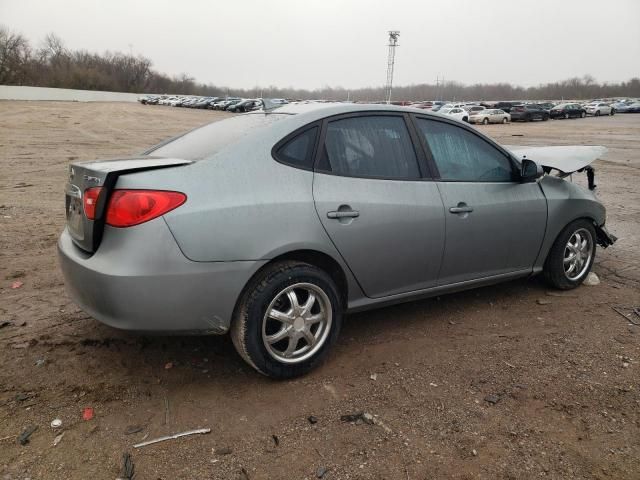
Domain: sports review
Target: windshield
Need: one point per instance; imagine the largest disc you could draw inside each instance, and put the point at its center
(206, 141)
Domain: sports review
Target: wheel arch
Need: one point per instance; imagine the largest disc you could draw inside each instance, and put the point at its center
(318, 259)
(552, 236)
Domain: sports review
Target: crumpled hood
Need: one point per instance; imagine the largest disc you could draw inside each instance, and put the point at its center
(566, 159)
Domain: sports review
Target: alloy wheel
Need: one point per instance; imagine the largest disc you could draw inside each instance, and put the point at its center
(297, 323)
(577, 254)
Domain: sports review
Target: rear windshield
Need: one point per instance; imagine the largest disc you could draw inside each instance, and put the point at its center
(206, 141)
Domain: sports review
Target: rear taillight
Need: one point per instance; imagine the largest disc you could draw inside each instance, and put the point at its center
(90, 200)
(133, 207)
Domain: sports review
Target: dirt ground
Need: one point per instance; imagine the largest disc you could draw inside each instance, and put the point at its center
(562, 370)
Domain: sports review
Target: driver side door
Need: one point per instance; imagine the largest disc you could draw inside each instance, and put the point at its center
(494, 225)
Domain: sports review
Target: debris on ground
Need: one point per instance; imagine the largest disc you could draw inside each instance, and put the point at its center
(321, 472)
(173, 437)
(87, 413)
(312, 420)
(474, 452)
(223, 451)
(131, 429)
(40, 362)
(358, 418)
(551, 293)
(592, 280)
(276, 440)
(58, 439)
(492, 398)
(128, 468)
(5, 324)
(168, 365)
(374, 376)
(632, 317)
(56, 423)
(17, 284)
(542, 301)
(23, 396)
(23, 438)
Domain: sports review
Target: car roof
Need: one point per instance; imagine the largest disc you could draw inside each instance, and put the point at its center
(325, 109)
(312, 111)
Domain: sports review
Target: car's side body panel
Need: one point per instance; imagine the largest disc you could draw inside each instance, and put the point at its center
(395, 244)
(501, 235)
(139, 280)
(566, 202)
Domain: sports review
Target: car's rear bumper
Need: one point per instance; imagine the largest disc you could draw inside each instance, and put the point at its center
(140, 280)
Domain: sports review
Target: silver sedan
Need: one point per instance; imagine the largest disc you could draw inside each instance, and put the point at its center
(272, 225)
(490, 116)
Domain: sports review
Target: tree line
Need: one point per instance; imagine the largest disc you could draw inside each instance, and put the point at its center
(52, 64)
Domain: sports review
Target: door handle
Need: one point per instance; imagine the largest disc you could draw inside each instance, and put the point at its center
(461, 208)
(343, 214)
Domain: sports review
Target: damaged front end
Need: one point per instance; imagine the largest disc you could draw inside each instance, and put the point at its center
(567, 160)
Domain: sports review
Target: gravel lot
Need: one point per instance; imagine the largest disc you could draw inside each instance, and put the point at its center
(504, 382)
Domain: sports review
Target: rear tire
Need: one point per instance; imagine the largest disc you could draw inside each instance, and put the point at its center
(612, 112)
(298, 332)
(566, 116)
(485, 121)
(465, 119)
(582, 114)
(597, 114)
(504, 120)
(576, 245)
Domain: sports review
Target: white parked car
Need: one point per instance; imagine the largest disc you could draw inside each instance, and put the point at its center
(458, 113)
(490, 116)
(599, 108)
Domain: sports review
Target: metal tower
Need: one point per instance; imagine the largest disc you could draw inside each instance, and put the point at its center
(393, 43)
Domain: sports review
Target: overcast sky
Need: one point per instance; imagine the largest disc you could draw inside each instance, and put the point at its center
(312, 43)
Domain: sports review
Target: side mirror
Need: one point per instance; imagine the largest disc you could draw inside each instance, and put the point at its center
(530, 171)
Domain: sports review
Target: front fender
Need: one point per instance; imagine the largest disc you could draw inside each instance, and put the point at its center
(566, 202)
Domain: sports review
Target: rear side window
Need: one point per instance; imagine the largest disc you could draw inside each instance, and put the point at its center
(462, 156)
(370, 146)
(298, 152)
(206, 141)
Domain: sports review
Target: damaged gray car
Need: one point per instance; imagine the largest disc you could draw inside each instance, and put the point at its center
(274, 224)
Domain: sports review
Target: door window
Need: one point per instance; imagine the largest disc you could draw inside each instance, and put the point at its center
(370, 146)
(298, 151)
(462, 156)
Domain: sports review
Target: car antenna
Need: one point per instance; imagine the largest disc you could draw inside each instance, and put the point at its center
(268, 104)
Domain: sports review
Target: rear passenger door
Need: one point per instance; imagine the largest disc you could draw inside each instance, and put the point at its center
(383, 216)
(494, 223)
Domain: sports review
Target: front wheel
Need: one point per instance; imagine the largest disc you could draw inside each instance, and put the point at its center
(571, 255)
(504, 120)
(583, 114)
(612, 112)
(566, 116)
(485, 121)
(597, 114)
(287, 319)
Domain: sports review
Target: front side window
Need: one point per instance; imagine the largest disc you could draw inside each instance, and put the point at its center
(370, 146)
(462, 156)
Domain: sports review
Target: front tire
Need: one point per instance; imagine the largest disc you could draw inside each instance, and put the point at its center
(571, 255)
(582, 115)
(597, 114)
(287, 319)
(566, 116)
(485, 121)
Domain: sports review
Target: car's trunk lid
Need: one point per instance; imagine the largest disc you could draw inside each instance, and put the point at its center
(86, 233)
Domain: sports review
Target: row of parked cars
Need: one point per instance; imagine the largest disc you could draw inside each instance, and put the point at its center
(229, 104)
(505, 112)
